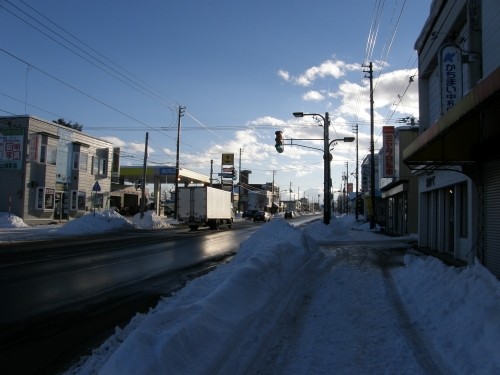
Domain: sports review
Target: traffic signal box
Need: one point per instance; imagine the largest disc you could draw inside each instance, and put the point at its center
(279, 141)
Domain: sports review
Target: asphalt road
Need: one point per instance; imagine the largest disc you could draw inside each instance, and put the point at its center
(61, 298)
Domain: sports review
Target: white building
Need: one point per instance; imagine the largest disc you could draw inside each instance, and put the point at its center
(457, 155)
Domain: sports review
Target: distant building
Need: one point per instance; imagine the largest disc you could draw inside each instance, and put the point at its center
(51, 172)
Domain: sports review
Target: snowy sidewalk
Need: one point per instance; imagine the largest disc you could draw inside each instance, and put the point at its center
(350, 320)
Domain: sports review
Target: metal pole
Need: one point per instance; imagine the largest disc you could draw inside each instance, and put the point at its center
(357, 168)
(372, 152)
(181, 112)
(347, 187)
(144, 174)
(326, 156)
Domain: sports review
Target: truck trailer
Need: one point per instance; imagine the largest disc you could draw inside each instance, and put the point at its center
(205, 206)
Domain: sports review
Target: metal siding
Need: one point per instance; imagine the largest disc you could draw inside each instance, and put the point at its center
(492, 217)
(434, 96)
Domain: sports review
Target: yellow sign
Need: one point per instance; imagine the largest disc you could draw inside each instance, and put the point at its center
(227, 159)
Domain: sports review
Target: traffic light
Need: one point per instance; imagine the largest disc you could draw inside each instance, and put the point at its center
(234, 173)
(279, 141)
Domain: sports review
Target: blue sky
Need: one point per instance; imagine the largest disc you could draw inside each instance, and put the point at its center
(241, 68)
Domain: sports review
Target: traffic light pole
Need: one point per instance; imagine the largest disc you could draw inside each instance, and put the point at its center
(326, 156)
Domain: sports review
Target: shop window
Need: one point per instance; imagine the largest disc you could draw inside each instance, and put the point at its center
(98, 200)
(77, 200)
(82, 197)
(45, 198)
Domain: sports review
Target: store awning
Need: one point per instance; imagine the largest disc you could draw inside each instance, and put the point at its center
(462, 135)
(164, 174)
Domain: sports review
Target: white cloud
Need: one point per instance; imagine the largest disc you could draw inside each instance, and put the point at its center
(329, 68)
(313, 96)
(117, 142)
(138, 147)
(284, 74)
(266, 120)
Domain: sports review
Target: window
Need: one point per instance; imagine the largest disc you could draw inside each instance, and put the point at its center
(51, 155)
(77, 200)
(42, 154)
(76, 160)
(80, 161)
(45, 198)
(41, 151)
(81, 200)
(84, 157)
(74, 200)
(99, 166)
(98, 200)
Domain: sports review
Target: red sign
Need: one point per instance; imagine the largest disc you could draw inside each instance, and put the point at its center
(388, 153)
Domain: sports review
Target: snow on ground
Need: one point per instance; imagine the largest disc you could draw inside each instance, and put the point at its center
(12, 228)
(287, 305)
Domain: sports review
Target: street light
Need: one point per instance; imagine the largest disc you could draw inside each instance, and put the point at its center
(327, 212)
(326, 157)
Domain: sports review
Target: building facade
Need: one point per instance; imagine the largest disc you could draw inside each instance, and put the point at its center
(366, 189)
(398, 186)
(456, 155)
(51, 172)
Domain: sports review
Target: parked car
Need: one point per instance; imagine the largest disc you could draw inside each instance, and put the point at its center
(248, 214)
(289, 214)
(261, 216)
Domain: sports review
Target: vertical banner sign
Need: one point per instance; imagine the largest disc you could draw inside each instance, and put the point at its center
(11, 149)
(450, 68)
(388, 153)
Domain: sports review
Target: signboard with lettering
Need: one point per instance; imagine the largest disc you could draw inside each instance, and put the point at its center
(11, 149)
(227, 159)
(165, 171)
(450, 68)
(388, 151)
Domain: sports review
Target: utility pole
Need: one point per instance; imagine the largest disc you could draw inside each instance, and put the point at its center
(347, 187)
(239, 168)
(272, 194)
(357, 169)
(143, 185)
(211, 171)
(372, 148)
(181, 113)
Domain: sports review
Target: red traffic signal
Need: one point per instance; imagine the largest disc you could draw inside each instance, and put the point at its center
(279, 141)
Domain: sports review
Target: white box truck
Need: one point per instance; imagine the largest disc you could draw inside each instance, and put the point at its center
(204, 205)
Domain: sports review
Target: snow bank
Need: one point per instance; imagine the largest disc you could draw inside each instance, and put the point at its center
(11, 221)
(150, 220)
(213, 315)
(461, 308)
(98, 222)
